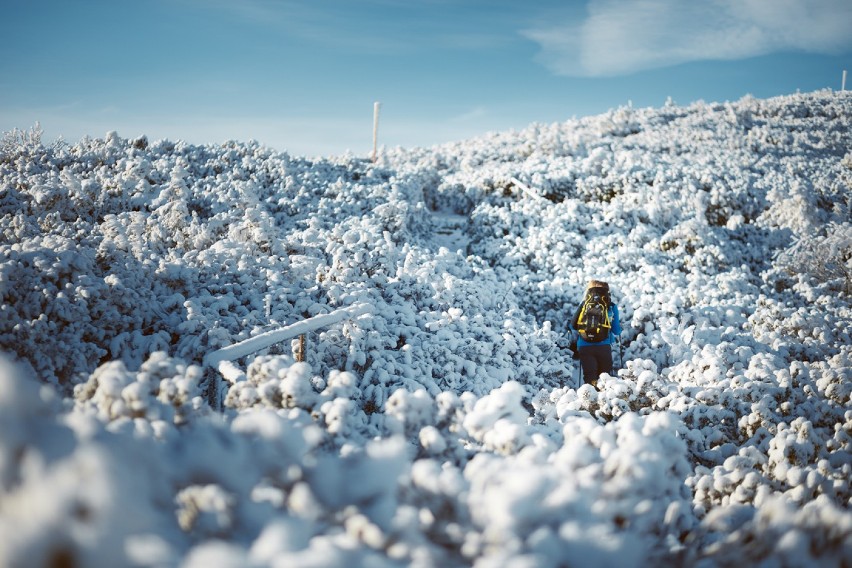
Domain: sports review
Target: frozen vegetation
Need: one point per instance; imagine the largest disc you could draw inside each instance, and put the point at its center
(444, 426)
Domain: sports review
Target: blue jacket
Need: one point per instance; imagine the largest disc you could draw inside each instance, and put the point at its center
(614, 332)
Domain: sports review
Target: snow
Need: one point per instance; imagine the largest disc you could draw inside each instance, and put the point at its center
(437, 419)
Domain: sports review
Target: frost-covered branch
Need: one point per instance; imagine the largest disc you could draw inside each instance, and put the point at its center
(825, 257)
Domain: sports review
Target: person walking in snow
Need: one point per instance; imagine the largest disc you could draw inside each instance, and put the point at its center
(597, 323)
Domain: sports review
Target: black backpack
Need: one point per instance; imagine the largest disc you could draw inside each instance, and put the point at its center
(593, 322)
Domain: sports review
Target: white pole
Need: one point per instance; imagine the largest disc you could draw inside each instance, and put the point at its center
(843, 84)
(375, 130)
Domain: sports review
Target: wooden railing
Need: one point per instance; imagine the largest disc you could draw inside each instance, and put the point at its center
(222, 359)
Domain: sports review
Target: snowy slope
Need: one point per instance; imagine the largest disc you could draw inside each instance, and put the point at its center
(444, 426)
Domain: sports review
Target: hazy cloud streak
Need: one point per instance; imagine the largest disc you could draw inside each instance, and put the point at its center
(623, 36)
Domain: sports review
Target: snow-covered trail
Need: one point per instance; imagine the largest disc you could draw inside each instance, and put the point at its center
(450, 231)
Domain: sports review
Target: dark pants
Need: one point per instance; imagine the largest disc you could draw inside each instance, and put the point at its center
(595, 359)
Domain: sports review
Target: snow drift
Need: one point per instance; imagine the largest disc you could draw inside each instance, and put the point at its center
(444, 426)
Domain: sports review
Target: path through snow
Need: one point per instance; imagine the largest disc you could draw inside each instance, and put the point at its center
(449, 231)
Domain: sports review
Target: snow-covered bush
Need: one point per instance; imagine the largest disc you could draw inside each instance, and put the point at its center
(162, 390)
(826, 257)
(447, 426)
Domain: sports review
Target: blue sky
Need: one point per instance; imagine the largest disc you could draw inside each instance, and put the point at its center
(302, 76)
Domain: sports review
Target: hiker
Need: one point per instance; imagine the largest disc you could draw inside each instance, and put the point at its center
(598, 325)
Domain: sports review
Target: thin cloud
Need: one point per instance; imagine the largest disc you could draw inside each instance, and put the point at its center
(304, 21)
(619, 37)
(473, 114)
(373, 26)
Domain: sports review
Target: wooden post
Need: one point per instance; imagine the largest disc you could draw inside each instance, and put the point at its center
(375, 130)
(214, 389)
(300, 351)
(843, 82)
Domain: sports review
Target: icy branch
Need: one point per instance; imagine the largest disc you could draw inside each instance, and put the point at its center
(525, 188)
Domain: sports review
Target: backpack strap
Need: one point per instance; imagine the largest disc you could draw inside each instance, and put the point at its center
(607, 318)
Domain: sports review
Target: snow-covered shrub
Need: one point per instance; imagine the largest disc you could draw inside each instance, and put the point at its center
(816, 534)
(498, 420)
(412, 412)
(274, 381)
(592, 484)
(65, 496)
(447, 426)
(824, 256)
(205, 510)
(162, 390)
(16, 142)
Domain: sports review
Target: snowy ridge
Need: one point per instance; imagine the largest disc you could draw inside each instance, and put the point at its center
(445, 429)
